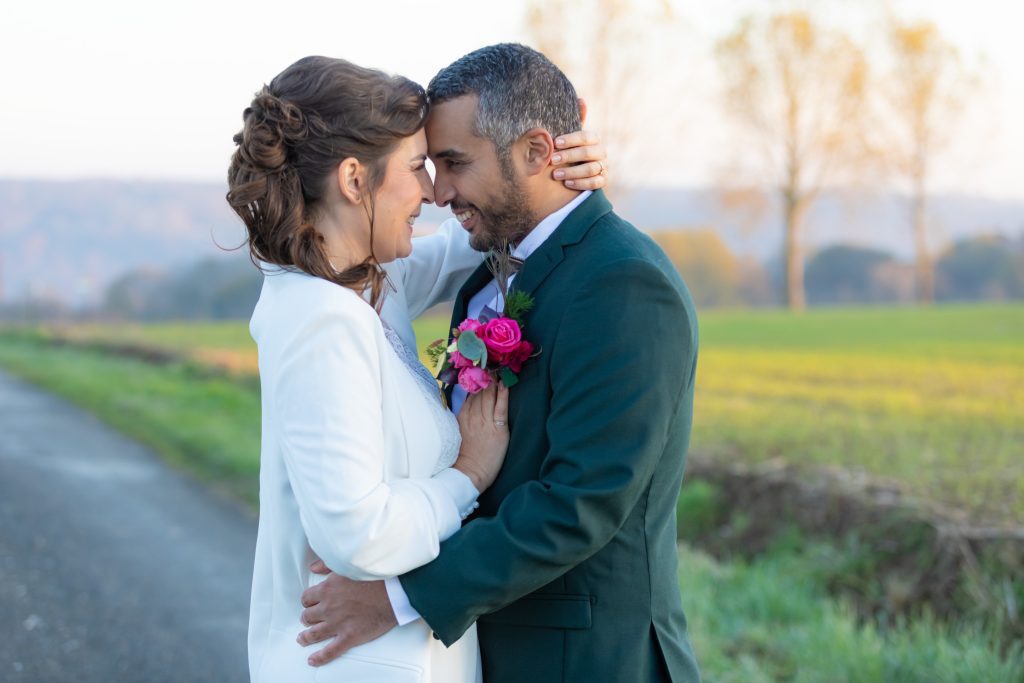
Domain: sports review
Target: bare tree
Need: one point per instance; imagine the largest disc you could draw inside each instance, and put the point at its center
(798, 88)
(607, 48)
(926, 93)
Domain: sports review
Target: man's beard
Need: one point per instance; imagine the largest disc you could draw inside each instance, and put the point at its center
(507, 221)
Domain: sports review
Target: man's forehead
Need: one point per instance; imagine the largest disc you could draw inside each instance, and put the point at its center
(460, 109)
(452, 123)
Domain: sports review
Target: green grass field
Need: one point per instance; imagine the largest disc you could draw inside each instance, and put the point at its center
(207, 424)
(930, 400)
(769, 620)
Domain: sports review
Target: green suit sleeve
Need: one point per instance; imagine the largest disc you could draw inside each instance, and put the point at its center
(623, 356)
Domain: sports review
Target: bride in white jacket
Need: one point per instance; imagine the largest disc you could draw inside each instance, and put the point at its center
(361, 464)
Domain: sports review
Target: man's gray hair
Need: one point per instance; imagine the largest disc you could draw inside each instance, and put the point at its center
(519, 89)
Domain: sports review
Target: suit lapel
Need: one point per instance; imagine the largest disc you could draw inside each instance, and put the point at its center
(574, 228)
(539, 265)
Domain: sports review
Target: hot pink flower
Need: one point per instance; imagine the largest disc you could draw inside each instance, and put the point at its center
(519, 356)
(459, 361)
(470, 324)
(474, 380)
(502, 336)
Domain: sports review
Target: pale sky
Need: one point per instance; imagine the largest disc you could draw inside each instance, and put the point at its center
(132, 89)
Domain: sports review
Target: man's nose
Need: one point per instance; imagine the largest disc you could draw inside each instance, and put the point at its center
(444, 191)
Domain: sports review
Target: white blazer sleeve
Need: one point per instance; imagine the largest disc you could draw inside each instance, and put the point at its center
(329, 401)
(438, 266)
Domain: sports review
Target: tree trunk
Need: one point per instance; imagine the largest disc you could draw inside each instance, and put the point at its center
(795, 210)
(923, 268)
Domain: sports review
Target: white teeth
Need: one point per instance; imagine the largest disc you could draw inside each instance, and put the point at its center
(465, 216)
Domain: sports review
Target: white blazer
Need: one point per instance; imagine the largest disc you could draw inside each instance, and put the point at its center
(351, 441)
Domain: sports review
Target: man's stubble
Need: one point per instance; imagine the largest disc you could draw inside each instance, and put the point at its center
(510, 219)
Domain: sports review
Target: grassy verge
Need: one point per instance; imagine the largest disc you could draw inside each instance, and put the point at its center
(928, 400)
(206, 424)
(769, 619)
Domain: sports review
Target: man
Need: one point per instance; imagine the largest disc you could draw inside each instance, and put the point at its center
(569, 567)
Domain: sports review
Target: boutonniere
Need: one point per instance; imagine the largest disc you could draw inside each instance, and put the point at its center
(491, 347)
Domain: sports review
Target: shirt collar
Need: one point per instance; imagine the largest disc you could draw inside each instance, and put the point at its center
(546, 228)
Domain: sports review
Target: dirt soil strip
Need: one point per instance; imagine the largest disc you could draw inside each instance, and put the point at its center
(922, 555)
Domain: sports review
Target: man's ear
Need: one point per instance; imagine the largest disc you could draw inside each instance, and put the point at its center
(537, 150)
(352, 180)
(583, 111)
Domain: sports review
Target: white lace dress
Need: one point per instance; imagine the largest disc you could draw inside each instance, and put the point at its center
(447, 425)
(461, 662)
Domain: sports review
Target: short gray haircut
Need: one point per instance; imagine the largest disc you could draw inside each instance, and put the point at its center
(519, 89)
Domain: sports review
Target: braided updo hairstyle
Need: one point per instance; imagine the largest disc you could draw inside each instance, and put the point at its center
(297, 130)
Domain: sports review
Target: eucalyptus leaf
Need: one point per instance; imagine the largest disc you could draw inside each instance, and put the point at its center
(472, 347)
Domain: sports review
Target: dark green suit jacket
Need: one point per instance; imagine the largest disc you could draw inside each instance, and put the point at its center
(570, 566)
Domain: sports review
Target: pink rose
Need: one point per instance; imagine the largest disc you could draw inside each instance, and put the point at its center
(459, 361)
(470, 324)
(474, 380)
(519, 356)
(501, 336)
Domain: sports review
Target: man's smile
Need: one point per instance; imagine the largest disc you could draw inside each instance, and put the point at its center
(467, 216)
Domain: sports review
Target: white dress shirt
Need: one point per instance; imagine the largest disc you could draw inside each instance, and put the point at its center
(490, 296)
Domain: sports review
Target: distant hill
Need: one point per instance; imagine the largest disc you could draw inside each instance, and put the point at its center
(70, 240)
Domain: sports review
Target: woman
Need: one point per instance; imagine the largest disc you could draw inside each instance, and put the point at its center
(361, 465)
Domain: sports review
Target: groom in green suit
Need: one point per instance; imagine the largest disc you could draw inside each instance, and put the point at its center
(569, 566)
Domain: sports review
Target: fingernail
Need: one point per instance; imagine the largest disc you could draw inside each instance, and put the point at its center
(570, 183)
(560, 141)
(311, 661)
(557, 158)
(559, 174)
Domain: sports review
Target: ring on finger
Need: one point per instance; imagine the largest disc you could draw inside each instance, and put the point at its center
(499, 423)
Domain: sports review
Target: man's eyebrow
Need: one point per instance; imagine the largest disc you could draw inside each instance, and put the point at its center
(449, 154)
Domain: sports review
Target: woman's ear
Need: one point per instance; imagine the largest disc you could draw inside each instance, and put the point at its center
(352, 180)
(538, 150)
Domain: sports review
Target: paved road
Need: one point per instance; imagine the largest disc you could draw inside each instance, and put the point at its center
(112, 567)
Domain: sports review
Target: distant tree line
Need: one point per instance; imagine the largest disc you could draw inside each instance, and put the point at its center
(209, 290)
(987, 268)
(976, 269)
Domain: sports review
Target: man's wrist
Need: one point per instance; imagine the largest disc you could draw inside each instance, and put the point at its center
(401, 608)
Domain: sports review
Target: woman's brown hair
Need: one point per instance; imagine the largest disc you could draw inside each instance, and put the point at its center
(314, 114)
